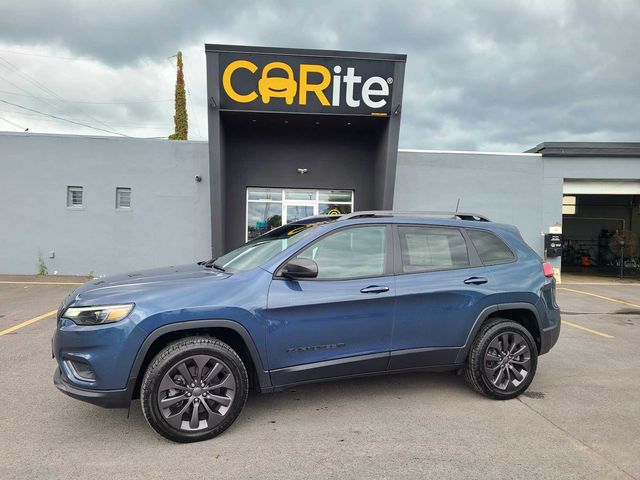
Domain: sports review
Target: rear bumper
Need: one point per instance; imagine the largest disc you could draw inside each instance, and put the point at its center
(102, 398)
(549, 336)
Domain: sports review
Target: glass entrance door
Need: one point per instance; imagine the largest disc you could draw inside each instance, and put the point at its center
(296, 211)
(268, 208)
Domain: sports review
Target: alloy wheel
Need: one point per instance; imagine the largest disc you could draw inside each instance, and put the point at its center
(507, 361)
(196, 393)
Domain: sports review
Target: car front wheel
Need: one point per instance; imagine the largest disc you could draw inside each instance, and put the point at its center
(502, 361)
(194, 389)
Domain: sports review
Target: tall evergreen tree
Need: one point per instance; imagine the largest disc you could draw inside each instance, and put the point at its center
(180, 118)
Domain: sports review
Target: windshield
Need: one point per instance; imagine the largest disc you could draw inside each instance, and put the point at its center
(264, 248)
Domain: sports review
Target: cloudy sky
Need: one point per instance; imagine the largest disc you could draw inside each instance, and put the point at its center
(497, 75)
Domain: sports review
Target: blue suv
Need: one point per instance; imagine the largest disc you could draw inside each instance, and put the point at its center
(322, 298)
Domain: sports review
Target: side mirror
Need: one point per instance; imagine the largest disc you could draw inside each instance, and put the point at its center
(300, 268)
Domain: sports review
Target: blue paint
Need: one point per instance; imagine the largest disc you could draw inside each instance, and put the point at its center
(299, 322)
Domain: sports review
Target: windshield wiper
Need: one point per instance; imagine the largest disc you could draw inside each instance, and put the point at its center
(218, 267)
(212, 263)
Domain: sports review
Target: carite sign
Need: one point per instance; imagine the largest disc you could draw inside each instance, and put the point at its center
(305, 84)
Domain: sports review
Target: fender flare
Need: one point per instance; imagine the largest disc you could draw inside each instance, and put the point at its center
(484, 314)
(264, 380)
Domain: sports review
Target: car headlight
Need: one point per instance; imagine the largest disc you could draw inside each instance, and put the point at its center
(97, 315)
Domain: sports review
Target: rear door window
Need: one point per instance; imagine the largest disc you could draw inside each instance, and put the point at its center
(431, 248)
(491, 249)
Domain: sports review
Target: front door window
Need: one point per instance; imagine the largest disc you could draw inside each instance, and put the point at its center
(350, 253)
(268, 208)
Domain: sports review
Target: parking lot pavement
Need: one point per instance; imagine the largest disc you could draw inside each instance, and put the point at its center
(579, 419)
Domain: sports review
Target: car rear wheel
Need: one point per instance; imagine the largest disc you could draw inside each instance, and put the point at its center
(194, 389)
(502, 361)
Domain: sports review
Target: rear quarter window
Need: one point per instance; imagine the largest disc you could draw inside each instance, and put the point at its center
(491, 249)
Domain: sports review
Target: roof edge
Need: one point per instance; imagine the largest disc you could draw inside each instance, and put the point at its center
(6, 133)
(471, 152)
(587, 149)
(305, 52)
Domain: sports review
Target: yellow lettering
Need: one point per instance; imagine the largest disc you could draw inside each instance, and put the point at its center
(278, 87)
(317, 88)
(226, 81)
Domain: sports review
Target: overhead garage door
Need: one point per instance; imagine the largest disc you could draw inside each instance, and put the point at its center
(601, 187)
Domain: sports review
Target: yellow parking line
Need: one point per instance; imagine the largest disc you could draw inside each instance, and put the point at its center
(615, 300)
(595, 332)
(28, 322)
(39, 283)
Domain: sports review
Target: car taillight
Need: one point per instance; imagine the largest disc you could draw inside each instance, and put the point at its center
(547, 269)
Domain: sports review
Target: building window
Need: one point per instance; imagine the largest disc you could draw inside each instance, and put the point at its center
(569, 205)
(123, 198)
(268, 208)
(74, 197)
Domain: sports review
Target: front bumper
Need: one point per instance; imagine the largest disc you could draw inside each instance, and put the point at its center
(103, 398)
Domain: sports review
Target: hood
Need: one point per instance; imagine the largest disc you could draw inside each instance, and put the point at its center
(129, 287)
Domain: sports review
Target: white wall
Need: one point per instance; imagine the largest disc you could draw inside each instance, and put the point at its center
(507, 188)
(169, 222)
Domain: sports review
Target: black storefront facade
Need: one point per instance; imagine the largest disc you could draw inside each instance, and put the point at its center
(296, 132)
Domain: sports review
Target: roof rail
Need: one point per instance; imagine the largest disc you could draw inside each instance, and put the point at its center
(390, 213)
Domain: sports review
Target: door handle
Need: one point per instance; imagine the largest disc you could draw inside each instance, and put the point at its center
(475, 281)
(375, 289)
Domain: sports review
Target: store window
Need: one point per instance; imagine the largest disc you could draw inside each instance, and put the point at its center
(268, 208)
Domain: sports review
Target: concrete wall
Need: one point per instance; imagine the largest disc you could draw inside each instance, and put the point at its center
(522, 189)
(170, 218)
(169, 222)
(505, 187)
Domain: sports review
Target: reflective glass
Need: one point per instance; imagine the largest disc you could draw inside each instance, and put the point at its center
(263, 217)
(333, 209)
(334, 196)
(300, 194)
(273, 194)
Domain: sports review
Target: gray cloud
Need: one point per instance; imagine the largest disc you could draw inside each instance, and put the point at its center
(499, 75)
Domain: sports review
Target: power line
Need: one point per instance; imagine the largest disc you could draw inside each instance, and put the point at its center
(62, 119)
(26, 91)
(13, 52)
(14, 124)
(90, 103)
(30, 116)
(47, 90)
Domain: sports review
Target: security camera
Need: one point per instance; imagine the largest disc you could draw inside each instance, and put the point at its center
(198, 178)
(302, 171)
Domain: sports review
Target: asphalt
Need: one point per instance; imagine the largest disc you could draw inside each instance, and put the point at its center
(579, 419)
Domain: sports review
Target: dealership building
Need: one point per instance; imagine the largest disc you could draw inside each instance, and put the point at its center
(294, 133)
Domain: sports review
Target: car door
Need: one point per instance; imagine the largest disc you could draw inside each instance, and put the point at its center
(340, 322)
(441, 288)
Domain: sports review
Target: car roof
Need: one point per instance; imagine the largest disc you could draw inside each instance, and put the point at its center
(396, 217)
(454, 219)
(476, 217)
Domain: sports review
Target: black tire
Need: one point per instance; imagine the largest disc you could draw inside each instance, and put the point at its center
(227, 382)
(492, 373)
